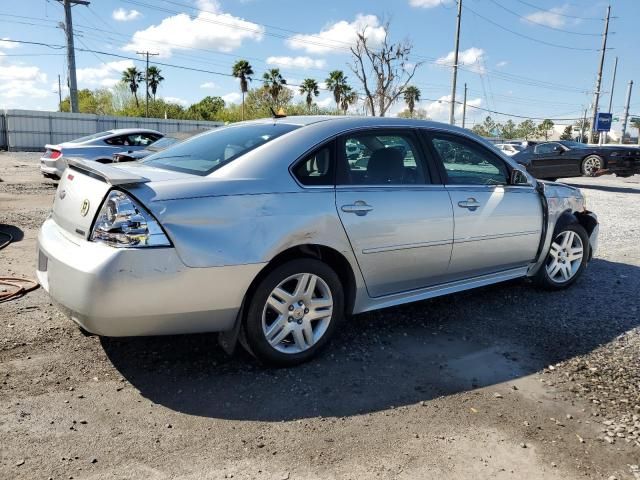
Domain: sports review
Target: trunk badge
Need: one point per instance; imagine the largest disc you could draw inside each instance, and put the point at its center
(62, 193)
(70, 177)
(84, 209)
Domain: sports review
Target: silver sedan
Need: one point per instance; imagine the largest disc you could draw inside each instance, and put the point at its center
(275, 231)
(98, 147)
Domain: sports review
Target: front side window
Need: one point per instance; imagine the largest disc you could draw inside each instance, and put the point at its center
(203, 154)
(382, 159)
(316, 169)
(468, 164)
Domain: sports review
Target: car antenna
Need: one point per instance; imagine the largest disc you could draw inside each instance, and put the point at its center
(280, 113)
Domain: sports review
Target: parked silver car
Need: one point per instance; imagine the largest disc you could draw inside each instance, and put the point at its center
(266, 231)
(98, 147)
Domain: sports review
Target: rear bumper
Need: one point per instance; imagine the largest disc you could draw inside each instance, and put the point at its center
(49, 166)
(133, 292)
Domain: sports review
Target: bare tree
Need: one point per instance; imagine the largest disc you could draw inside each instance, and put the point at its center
(384, 70)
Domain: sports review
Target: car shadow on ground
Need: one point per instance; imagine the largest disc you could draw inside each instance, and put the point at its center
(16, 234)
(394, 357)
(606, 188)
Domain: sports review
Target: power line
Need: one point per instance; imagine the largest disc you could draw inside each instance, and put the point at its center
(212, 72)
(537, 7)
(543, 42)
(526, 19)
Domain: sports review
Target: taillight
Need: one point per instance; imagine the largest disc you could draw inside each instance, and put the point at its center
(55, 154)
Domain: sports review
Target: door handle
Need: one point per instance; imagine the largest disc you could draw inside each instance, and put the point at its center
(470, 203)
(360, 208)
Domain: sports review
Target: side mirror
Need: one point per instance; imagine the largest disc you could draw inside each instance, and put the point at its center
(518, 177)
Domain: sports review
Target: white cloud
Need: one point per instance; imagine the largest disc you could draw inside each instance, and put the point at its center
(473, 58)
(208, 85)
(122, 15)
(211, 28)
(20, 84)
(439, 110)
(326, 102)
(233, 97)
(105, 75)
(296, 62)
(428, 3)
(550, 18)
(7, 45)
(180, 101)
(339, 36)
(501, 64)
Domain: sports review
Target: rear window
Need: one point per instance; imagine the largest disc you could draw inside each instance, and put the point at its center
(91, 137)
(205, 153)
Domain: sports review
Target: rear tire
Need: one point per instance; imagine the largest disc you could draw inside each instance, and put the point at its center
(566, 259)
(591, 165)
(293, 312)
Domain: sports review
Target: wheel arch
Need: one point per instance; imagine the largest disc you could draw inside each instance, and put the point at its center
(332, 257)
(577, 218)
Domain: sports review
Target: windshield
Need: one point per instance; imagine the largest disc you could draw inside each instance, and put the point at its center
(205, 153)
(91, 137)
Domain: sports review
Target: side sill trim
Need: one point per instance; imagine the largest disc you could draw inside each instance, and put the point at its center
(443, 289)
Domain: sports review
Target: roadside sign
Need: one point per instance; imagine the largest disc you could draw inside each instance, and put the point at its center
(603, 122)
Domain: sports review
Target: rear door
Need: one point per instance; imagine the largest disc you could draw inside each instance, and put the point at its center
(497, 225)
(397, 216)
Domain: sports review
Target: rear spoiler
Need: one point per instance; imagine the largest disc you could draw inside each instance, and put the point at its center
(49, 146)
(106, 173)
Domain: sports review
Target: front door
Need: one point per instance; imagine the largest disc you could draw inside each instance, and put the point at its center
(497, 225)
(399, 223)
(549, 160)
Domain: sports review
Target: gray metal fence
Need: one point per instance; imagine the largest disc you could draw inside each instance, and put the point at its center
(30, 130)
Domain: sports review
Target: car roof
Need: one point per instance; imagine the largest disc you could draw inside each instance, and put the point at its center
(124, 131)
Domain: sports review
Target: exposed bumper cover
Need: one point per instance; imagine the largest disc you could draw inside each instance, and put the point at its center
(132, 292)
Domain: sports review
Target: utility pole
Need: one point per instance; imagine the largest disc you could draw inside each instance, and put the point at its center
(146, 81)
(613, 86)
(71, 56)
(455, 67)
(59, 94)
(584, 125)
(464, 105)
(626, 111)
(596, 94)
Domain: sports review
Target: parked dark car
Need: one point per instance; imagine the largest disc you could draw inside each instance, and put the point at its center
(552, 160)
(165, 142)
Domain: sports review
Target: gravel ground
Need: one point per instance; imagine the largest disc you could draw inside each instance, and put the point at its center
(503, 382)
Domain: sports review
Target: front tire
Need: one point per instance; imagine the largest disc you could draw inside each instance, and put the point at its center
(591, 165)
(566, 260)
(293, 312)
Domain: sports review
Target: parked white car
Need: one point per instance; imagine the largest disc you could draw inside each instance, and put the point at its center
(509, 148)
(98, 147)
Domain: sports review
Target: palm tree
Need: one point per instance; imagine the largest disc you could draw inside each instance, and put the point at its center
(243, 70)
(349, 97)
(336, 82)
(133, 77)
(274, 82)
(154, 78)
(310, 87)
(411, 97)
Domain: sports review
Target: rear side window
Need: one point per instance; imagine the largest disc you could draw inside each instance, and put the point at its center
(203, 154)
(317, 168)
(382, 159)
(469, 164)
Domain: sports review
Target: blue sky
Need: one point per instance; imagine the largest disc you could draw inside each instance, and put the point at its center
(505, 71)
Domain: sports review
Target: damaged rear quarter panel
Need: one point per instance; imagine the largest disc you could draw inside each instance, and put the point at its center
(243, 229)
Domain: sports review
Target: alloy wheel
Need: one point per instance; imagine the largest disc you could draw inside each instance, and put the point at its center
(297, 313)
(591, 166)
(565, 257)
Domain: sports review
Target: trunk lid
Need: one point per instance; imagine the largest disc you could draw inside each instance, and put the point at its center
(85, 184)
